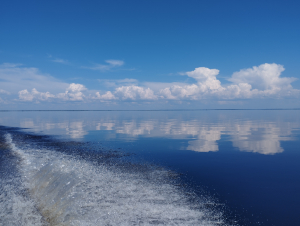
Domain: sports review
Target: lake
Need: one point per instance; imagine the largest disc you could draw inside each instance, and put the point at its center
(198, 167)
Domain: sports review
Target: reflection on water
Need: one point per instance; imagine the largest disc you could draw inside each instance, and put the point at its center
(208, 147)
(74, 130)
(263, 138)
(202, 132)
(206, 139)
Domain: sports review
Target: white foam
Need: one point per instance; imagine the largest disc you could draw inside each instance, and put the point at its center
(71, 191)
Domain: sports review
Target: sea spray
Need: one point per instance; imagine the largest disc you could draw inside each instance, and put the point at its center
(17, 208)
(68, 190)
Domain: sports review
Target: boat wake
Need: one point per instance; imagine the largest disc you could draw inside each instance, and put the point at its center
(43, 186)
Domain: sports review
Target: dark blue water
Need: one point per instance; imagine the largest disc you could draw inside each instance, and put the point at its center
(247, 162)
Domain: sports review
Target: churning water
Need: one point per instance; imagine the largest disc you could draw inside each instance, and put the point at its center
(44, 186)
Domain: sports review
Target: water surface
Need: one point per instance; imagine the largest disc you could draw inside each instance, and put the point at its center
(241, 167)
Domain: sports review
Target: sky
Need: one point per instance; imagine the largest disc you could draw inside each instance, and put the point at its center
(142, 55)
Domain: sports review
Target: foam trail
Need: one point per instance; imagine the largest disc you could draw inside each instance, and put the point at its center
(67, 190)
(16, 207)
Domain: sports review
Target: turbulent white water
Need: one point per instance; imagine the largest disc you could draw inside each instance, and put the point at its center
(54, 188)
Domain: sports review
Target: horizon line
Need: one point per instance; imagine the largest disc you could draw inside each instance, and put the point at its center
(205, 109)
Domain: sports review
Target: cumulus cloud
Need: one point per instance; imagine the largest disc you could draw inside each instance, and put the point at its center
(76, 88)
(264, 81)
(72, 93)
(265, 76)
(207, 84)
(127, 92)
(257, 82)
(107, 96)
(205, 77)
(105, 67)
(135, 92)
(24, 95)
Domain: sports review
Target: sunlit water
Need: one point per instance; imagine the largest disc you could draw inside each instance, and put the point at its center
(150, 168)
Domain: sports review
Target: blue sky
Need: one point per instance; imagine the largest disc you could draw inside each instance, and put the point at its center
(149, 54)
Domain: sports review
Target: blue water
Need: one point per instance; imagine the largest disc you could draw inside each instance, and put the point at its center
(213, 167)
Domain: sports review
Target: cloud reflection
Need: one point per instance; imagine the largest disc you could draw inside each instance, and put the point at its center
(250, 136)
(74, 129)
(206, 141)
(201, 134)
(259, 137)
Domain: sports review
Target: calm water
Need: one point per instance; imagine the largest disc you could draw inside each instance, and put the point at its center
(215, 167)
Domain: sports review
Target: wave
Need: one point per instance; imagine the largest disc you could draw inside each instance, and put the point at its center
(56, 188)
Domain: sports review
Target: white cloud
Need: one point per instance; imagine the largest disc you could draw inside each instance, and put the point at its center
(240, 91)
(134, 93)
(61, 61)
(73, 93)
(20, 79)
(167, 93)
(263, 81)
(115, 63)
(118, 82)
(15, 77)
(58, 60)
(107, 96)
(2, 91)
(181, 92)
(263, 77)
(76, 88)
(207, 85)
(129, 92)
(9, 65)
(205, 77)
(24, 95)
(257, 82)
(105, 67)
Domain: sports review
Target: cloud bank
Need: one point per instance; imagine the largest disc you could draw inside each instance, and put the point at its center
(259, 82)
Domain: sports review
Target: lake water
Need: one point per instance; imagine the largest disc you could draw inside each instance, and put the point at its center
(206, 167)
